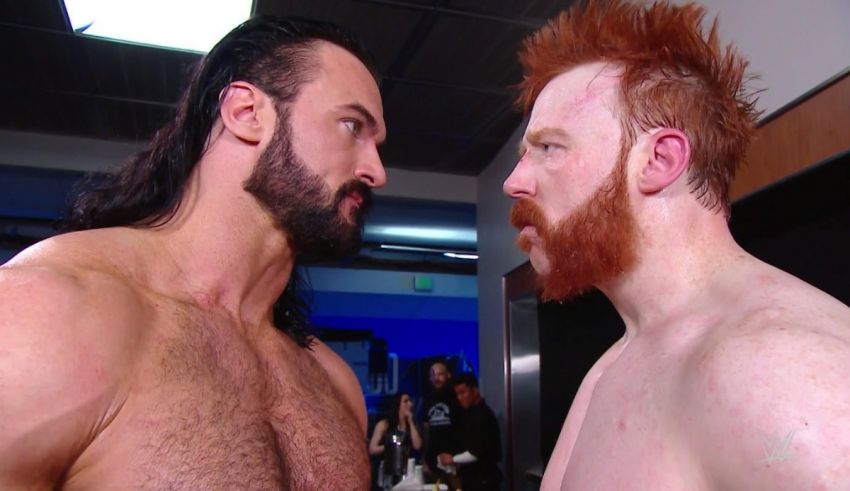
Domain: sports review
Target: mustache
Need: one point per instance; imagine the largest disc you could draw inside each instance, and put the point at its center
(525, 213)
(361, 190)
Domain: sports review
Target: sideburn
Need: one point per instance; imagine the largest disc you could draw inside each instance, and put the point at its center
(595, 244)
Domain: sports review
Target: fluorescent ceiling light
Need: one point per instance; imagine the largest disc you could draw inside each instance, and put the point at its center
(193, 25)
(460, 255)
(393, 247)
(463, 234)
(451, 254)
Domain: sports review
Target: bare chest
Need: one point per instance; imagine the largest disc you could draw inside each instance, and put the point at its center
(628, 433)
(211, 415)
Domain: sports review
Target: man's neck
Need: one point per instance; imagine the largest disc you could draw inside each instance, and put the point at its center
(678, 278)
(223, 250)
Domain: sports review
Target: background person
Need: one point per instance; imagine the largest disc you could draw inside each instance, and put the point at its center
(477, 462)
(438, 414)
(393, 439)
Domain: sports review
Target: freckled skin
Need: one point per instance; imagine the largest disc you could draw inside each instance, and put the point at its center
(724, 357)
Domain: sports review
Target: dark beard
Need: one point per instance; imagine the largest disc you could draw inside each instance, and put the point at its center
(591, 246)
(302, 203)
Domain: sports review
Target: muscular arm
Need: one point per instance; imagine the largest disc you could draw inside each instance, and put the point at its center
(56, 388)
(772, 408)
(344, 381)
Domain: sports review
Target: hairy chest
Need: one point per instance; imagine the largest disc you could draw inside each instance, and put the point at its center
(220, 413)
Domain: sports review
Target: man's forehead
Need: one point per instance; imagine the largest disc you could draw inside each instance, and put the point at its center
(582, 85)
(585, 88)
(346, 82)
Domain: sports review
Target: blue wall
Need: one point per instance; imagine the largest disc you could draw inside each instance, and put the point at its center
(413, 326)
(27, 192)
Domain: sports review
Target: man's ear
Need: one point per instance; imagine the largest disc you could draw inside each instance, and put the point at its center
(242, 111)
(669, 156)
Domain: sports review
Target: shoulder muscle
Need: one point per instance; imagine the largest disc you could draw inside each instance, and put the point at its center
(773, 404)
(343, 380)
(56, 370)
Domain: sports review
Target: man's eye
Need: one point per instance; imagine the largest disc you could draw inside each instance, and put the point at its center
(353, 126)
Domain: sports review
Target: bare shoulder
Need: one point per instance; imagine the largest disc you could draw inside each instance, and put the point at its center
(768, 397)
(381, 425)
(69, 282)
(557, 465)
(63, 355)
(344, 381)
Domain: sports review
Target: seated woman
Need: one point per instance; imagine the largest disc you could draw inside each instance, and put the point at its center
(393, 438)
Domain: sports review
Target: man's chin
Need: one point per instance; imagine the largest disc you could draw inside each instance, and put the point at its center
(552, 286)
(539, 262)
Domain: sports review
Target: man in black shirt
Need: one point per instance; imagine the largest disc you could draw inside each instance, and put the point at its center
(480, 444)
(437, 415)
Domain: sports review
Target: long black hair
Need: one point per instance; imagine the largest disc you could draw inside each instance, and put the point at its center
(392, 416)
(278, 56)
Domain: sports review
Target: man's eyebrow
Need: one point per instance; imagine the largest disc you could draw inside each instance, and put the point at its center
(541, 134)
(537, 136)
(364, 113)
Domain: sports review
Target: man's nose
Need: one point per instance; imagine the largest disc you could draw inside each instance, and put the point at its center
(519, 184)
(370, 169)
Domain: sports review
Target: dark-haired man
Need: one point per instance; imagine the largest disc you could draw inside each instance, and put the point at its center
(731, 374)
(438, 414)
(480, 446)
(155, 349)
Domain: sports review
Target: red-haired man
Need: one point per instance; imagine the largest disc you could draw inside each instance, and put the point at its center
(731, 374)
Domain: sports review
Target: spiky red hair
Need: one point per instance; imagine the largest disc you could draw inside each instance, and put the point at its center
(673, 76)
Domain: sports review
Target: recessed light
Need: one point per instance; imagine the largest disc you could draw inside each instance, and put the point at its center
(191, 25)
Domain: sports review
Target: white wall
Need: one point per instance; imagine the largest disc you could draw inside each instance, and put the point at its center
(87, 154)
(62, 152)
(497, 255)
(430, 185)
(795, 46)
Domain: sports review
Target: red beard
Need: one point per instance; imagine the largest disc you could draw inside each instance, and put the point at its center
(592, 246)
